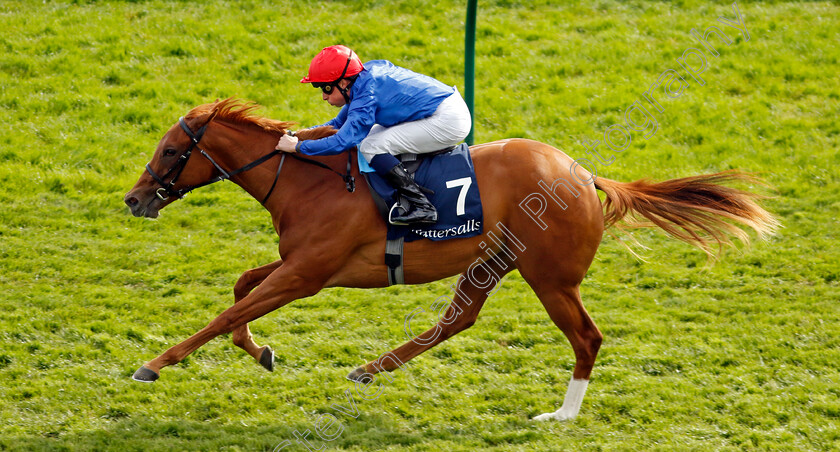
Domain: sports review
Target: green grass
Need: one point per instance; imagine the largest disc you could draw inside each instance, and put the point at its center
(742, 355)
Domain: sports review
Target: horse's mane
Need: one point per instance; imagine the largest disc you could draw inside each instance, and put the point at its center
(239, 111)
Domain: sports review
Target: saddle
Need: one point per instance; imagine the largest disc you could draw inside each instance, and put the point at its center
(411, 162)
(448, 176)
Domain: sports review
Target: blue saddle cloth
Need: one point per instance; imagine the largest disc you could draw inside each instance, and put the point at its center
(451, 176)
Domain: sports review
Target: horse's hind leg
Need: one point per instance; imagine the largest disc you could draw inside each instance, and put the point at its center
(242, 336)
(566, 309)
(461, 314)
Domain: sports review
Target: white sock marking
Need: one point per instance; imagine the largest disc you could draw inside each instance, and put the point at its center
(571, 404)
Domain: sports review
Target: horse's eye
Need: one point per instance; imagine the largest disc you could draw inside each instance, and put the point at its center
(170, 152)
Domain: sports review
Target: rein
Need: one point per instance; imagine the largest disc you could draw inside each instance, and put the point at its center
(166, 189)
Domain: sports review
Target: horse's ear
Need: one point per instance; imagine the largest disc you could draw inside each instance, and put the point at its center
(213, 115)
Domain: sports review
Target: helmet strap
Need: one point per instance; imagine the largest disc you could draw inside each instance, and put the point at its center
(344, 91)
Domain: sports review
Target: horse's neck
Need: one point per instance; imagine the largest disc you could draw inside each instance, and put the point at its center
(299, 184)
(307, 197)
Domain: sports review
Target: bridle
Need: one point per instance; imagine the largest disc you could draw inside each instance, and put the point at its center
(167, 189)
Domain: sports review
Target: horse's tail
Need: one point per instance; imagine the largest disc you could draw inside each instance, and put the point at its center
(698, 209)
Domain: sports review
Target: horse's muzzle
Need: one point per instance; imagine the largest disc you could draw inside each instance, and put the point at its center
(140, 207)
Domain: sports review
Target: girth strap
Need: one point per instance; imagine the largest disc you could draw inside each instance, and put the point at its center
(394, 261)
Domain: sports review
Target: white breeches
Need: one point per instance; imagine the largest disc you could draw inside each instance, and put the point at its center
(446, 127)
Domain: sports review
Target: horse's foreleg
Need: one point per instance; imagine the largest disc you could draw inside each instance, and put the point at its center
(279, 288)
(461, 314)
(242, 337)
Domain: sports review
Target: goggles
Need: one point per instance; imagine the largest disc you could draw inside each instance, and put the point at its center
(326, 88)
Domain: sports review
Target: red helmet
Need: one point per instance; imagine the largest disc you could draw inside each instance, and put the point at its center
(332, 64)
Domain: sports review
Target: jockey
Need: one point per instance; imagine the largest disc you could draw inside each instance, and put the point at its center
(386, 111)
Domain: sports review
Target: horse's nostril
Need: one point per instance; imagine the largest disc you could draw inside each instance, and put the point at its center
(132, 201)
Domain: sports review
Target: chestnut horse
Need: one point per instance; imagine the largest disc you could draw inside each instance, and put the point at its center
(331, 237)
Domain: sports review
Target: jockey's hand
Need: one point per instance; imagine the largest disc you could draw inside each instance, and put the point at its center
(287, 143)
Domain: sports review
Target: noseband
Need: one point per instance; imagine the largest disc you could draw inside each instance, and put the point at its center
(167, 188)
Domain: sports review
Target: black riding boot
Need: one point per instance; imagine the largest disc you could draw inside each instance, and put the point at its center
(420, 210)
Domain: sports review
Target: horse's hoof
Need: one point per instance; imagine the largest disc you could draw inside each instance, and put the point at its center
(145, 375)
(360, 375)
(559, 415)
(267, 358)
